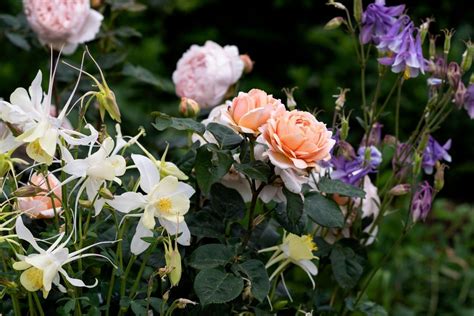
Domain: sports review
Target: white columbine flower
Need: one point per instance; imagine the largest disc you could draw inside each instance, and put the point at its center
(166, 199)
(43, 269)
(103, 165)
(294, 249)
(30, 112)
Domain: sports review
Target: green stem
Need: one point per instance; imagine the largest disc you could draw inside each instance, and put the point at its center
(16, 305)
(397, 109)
(31, 305)
(38, 304)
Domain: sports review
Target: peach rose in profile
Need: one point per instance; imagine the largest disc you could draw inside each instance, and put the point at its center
(249, 111)
(63, 22)
(41, 205)
(295, 139)
(205, 73)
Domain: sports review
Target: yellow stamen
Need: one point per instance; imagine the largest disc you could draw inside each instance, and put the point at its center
(164, 205)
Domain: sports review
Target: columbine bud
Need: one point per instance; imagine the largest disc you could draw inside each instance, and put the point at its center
(432, 49)
(358, 10)
(466, 62)
(424, 29)
(400, 189)
(106, 194)
(421, 202)
(182, 302)
(448, 34)
(173, 261)
(454, 74)
(188, 107)
(248, 63)
(28, 191)
(86, 203)
(290, 100)
(334, 23)
(344, 128)
(166, 296)
(439, 176)
(337, 5)
(460, 94)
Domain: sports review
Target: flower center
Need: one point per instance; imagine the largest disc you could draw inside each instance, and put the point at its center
(164, 205)
(32, 279)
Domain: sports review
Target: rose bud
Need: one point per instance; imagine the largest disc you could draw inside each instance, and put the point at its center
(188, 107)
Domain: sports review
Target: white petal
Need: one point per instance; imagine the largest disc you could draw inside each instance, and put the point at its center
(127, 202)
(25, 234)
(98, 205)
(309, 266)
(49, 140)
(76, 282)
(76, 168)
(149, 175)
(36, 92)
(89, 30)
(138, 245)
(173, 229)
(93, 187)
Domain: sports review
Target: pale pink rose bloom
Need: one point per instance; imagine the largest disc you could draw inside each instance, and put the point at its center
(41, 205)
(63, 22)
(295, 139)
(205, 73)
(249, 111)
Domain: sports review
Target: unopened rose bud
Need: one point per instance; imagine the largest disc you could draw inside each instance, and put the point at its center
(466, 62)
(358, 10)
(400, 189)
(28, 191)
(334, 23)
(96, 3)
(248, 63)
(432, 49)
(439, 176)
(106, 194)
(188, 107)
(454, 74)
(448, 34)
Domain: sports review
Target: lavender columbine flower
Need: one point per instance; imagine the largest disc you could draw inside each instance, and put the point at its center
(352, 171)
(421, 202)
(377, 21)
(469, 101)
(405, 52)
(435, 152)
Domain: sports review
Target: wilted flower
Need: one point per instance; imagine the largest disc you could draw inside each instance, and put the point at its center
(166, 199)
(435, 152)
(296, 139)
(43, 269)
(42, 204)
(351, 171)
(454, 74)
(294, 249)
(63, 24)
(205, 73)
(377, 20)
(421, 202)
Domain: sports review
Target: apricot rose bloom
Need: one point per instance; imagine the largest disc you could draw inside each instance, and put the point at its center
(42, 205)
(249, 111)
(296, 139)
(62, 22)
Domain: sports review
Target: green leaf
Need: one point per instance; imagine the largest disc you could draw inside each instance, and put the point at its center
(346, 266)
(257, 170)
(331, 186)
(138, 308)
(205, 223)
(213, 286)
(145, 76)
(18, 40)
(290, 214)
(257, 274)
(227, 201)
(211, 165)
(323, 211)
(164, 121)
(210, 256)
(225, 136)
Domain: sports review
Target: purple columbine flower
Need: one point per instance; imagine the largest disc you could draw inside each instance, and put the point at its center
(469, 101)
(421, 202)
(377, 20)
(351, 171)
(435, 152)
(405, 52)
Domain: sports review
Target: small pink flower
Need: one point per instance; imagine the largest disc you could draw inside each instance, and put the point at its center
(249, 111)
(63, 22)
(295, 139)
(42, 205)
(205, 73)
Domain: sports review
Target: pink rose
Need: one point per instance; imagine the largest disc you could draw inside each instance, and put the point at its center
(249, 111)
(205, 73)
(41, 205)
(63, 22)
(295, 139)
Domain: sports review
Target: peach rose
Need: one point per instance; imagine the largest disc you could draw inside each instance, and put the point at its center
(41, 205)
(249, 111)
(295, 139)
(62, 22)
(205, 73)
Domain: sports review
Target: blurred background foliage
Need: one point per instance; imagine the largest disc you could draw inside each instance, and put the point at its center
(141, 42)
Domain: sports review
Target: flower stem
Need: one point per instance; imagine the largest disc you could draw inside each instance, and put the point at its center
(38, 304)
(16, 305)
